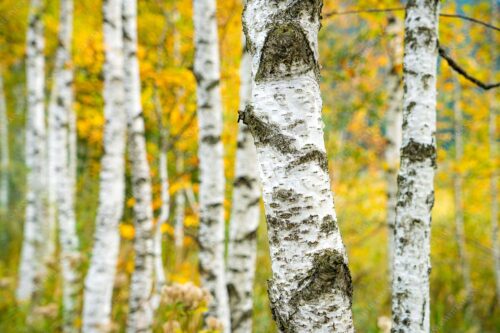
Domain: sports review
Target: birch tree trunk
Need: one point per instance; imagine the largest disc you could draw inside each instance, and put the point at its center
(242, 253)
(311, 287)
(458, 200)
(159, 271)
(35, 249)
(60, 110)
(180, 206)
(394, 122)
(493, 157)
(4, 148)
(100, 278)
(411, 267)
(140, 317)
(180, 199)
(209, 108)
(165, 207)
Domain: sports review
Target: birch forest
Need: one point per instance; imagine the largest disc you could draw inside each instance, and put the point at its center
(240, 166)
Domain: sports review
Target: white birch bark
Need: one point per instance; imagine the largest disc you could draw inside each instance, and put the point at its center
(411, 266)
(4, 149)
(457, 196)
(311, 287)
(100, 277)
(60, 110)
(493, 157)
(210, 153)
(394, 122)
(35, 248)
(245, 214)
(140, 316)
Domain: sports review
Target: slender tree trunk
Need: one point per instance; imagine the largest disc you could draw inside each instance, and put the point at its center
(394, 122)
(60, 110)
(245, 213)
(180, 199)
(35, 248)
(457, 192)
(311, 287)
(180, 207)
(159, 271)
(140, 317)
(411, 267)
(100, 278)
(493, 157)
(4, 148)
(211, 234)
(165, 206)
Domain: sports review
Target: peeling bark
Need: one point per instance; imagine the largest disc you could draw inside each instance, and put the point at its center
(60, 110)
(245, 214)
(100, 277)
(210, 153)
(311, 287)
(140, 317)
(411, 266)
(36, 250)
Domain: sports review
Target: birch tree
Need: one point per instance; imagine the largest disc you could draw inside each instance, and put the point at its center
(165, 205)
(159, 271)
(457, 194)
(210, 154)
(242, 252)
(492, 132)
(100, 277)
(411, 266)
(60, 110)
(311, 287)
(4, 148)
(140, 317)
(35, 249)
(394, 120)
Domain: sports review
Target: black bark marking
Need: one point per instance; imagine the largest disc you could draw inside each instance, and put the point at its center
(328, 225)
(266, 133)
(419, 152)
(311, 156)
(329, 273)
(286, 53)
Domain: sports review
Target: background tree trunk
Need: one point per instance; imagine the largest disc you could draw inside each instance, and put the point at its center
(311, 287)
(394, 122)
(100, 278)
(242, 252)
(411, 267)
(140, 317)
(60, 110)
(457, 194)
(35, 249)
(4, 148)
(209, 108)
(493, 157)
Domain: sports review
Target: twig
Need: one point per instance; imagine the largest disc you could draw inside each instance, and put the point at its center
(397, 9)
(360, 11)
(463, 17)
(456, 67)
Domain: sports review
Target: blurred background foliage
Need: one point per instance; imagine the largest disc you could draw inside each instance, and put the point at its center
(354, 57)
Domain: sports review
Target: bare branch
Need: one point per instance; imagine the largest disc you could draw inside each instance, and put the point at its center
(397, 9)
(456, 67)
